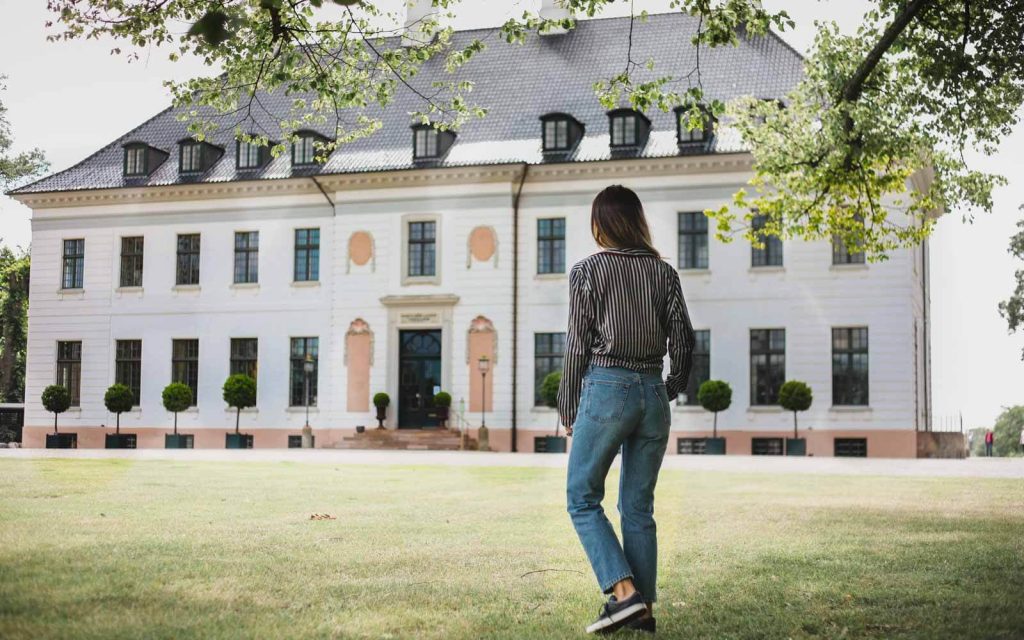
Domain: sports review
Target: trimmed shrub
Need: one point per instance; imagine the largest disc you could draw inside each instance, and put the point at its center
(442, 399)
(381, 399)
(715, 396)
(240, 393)
(795, 396)
(118, 399)
(177, 397)
(56, 399)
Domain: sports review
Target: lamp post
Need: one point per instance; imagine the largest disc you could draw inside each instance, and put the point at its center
(307, 431)
(483, 365)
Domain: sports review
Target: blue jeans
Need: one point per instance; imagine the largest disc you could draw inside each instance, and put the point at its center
(619, 408)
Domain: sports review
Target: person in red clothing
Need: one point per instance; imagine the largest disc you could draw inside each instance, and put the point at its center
(989, 439)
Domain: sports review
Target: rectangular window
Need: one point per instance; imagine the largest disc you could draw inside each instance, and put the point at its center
(701, 369)
(250, 156)
(301, 347)
(191, 157)
(850, 366)
(307, 255)
(548, 351)
(128, 366)
(247, 254)
(692, 135)
(244, 356)
(850, 447)
(770, 255)
(425, 142)
(74, 264)
(623, 131)
(131, 261)
(135, 161)
(185, 365)
(69, 369)
(767, 365)
(556, 135)
(304, 151)
(188, 259)
(766, 446)
(422, 248)
(841, 255)
(551, 245)
(693, 240)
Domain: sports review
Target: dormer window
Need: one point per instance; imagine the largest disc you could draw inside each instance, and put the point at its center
(628, 128)
(196, 157)
(140, 159)
(304, 150)
(429, 142)
(687, 136)
(560, 132)
(250, 155)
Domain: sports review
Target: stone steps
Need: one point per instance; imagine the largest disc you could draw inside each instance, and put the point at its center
(422, 439)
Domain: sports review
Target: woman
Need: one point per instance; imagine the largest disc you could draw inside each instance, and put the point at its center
(625, 304)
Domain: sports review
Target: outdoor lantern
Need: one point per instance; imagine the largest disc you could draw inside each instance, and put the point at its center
(484, 365)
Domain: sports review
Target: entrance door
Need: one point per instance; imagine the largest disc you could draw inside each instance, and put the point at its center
(419, 377)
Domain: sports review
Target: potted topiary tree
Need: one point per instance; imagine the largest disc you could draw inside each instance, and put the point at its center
(119, 399)
(381, 400)
(442, 402)
(239, 393)
(549, 396)
(795, 396)
(714, 396)
(177, 397)
(57, 399)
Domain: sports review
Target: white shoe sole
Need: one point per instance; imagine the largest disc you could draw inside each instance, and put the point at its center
(617, 618)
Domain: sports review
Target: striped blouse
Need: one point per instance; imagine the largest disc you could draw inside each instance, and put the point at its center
(624, 305)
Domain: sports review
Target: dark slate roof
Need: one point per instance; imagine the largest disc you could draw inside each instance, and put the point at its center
(517, 83)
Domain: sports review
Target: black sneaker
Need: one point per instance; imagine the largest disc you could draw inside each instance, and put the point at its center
(614, 614)
(647, 624)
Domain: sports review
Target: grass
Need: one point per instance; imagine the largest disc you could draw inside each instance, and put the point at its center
(159, 549)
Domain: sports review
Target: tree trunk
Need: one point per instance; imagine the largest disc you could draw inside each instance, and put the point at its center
(117, 423)
(714, 432)
(238, 416)
(794, 426)
(54, 423)
(175, 423)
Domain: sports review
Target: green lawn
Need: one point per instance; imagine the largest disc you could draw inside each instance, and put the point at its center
(159, 549)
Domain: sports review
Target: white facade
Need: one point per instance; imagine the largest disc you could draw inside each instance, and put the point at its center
(807, 297)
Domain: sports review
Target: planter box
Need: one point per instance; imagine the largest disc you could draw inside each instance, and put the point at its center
(121, 440)
(238, 441)
(179, 441)
(796, 446)
(62, 441)
(549, 444)
(714, 446)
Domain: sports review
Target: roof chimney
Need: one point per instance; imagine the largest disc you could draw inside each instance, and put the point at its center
(417, 12)
(553, 10)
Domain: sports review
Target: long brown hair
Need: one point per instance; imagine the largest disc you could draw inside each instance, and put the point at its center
(617, 220)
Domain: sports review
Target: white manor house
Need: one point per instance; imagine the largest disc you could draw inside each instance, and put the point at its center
(408, 255)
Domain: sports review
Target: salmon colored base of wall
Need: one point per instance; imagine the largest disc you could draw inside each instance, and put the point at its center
(881, 444)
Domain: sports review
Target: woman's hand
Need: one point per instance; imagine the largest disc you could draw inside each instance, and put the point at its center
(568, 431)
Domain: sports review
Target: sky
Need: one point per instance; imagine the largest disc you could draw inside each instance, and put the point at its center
(71, 98)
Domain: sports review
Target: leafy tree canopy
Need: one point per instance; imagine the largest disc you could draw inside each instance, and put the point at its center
(868, 147)
(1012, 309)
(549, 388)
(177, 397)
(56, 398)
(240, 391)
(15, 168)
(1006, 432)
(118, 399)
(795, 396)
(14, 272)
(714, 395)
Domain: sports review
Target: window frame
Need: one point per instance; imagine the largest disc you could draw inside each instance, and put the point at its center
(261, 155)
(844, 365)
(842, 256)
(310, 139)
(68, 369)
(310, 253)
(551, 246)
(242, 360)
(197, 157)
(422, 243)
(693, 238)
(141, 162)
(132, 261)
(191, 255)
(553, 356)
(72, 264)
(128, 367)
(773, 357)
(296, 360)
(701, 355)
(772, 254)
(249, 254)
(431, 137)
(185, 365)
